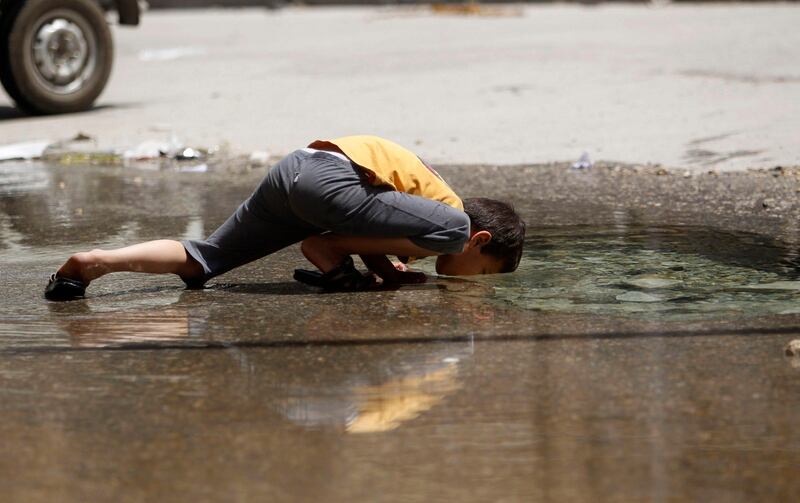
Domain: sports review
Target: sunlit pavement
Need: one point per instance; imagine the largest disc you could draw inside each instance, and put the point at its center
(689, 86)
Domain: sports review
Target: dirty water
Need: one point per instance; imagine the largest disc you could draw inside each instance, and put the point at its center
(636, 356)
(675, 273)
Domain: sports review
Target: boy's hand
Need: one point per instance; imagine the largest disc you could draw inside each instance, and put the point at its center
(406, 277)
(392, 273)
(327, 251)
(409, 276)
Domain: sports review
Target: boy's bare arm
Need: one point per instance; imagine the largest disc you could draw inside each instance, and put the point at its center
(327, 251)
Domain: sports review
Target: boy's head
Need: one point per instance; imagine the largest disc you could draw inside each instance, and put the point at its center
(495, 244)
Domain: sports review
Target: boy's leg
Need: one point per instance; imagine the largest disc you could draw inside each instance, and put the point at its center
(334, 195)
(155, 257)
(261, 225)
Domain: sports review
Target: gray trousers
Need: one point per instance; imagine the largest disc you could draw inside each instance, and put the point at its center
(312, 193)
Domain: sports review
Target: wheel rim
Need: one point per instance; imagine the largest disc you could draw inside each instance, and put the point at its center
(64, 51)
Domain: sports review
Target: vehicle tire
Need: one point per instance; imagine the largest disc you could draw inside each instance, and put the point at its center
(6, 22)
(60, 54)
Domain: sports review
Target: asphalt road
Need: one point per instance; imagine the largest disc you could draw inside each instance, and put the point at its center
(690, 86)
(547, 385)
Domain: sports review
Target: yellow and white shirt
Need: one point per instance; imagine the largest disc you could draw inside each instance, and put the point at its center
(387, 163)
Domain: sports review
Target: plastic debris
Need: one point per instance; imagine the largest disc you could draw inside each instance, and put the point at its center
(188, 153)
(793, 348)
(153, 149)
(259, 158)
(24, 150)
(145, 150)
(584, 162)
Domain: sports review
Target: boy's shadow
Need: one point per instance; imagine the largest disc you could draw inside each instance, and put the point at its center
(282, 288)
(296, 288)
(273, 288)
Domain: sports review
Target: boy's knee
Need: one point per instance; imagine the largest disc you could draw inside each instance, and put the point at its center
(450, 238)
(461, 225)
(191, 272)
(458, 231)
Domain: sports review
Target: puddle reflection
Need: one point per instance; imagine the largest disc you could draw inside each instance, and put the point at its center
(410, 383)
(167, 325)
(79, 205)
(372, 389)
(665, 273)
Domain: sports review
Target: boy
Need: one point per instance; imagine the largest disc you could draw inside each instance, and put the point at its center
(354, 195)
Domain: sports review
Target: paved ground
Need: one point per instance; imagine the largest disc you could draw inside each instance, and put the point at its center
(262, 389)
(686, 86)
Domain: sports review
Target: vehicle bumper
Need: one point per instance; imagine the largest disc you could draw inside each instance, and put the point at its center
(128, 12)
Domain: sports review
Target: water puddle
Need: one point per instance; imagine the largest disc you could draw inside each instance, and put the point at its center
(624, 264)
(663, 273)
(397, 384)
(601, 360)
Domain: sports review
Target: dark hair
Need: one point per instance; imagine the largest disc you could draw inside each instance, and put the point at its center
(507, 228)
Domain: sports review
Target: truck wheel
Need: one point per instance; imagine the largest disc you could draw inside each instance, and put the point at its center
(6, 22)
(59, 57)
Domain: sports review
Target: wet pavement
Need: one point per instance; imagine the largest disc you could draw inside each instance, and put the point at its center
(638, 354)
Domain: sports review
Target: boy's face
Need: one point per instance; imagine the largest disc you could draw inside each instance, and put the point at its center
(462, 264)
(471, 260)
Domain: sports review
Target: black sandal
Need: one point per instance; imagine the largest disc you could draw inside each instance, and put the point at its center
(343, 278)
(60, 288)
